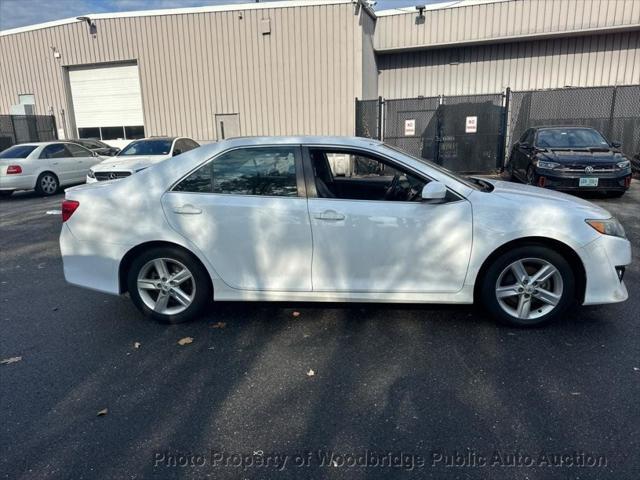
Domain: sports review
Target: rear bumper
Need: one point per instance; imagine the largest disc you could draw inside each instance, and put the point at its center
(570, 181)
(91, 265)
(600, 258)
(17, 182)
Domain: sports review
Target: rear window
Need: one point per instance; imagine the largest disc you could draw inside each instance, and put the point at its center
(148, 147)
(18, 151)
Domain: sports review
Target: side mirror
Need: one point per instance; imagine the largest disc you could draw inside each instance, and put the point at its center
(434, 191)
(177, 152)
(525, 146)
(616, 144)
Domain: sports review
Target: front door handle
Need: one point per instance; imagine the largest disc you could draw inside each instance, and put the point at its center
(330, 215)
(187, 210)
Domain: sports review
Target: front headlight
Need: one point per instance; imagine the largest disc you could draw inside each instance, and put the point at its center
(547, 165)
(623, 164)
(91, 174)
(610, 226)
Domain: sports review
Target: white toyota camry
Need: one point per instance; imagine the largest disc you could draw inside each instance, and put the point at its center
(336, 219)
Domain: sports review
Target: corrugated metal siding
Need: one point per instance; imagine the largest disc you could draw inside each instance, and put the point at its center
(369, 62)
(502, 20)
(300, 79)
(592, 60)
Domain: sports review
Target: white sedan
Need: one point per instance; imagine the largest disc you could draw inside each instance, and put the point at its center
(44, 166)
(271, 219)
(139, 155)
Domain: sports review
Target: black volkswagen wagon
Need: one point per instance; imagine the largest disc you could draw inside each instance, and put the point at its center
(569, 159)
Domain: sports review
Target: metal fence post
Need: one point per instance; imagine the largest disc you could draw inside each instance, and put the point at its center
(13, 127)
(380, 101)
(612, 113)
(504, 127)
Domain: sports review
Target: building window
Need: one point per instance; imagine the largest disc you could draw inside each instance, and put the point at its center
(134, 132)
(93, 132)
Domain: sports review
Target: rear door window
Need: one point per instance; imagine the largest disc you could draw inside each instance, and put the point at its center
(269, 171)
(55, 150)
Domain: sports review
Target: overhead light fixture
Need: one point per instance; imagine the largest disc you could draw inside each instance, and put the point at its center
(420, 18)
(93, 30)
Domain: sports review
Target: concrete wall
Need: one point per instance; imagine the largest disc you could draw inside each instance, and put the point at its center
(301, 78)
(593, 60)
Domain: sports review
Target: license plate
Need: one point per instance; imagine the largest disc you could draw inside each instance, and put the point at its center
(588, 182)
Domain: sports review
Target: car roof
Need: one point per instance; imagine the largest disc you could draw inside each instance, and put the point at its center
(43, 144)
(304, 140)
(566, 127)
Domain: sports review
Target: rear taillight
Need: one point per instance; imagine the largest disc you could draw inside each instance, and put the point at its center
(68, 207)
(14, 169)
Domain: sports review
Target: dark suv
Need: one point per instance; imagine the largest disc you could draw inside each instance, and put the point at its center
(570, 159)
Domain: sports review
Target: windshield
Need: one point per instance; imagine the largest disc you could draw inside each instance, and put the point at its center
(148, 147)
(570, 138)
(18, 151)
(470, 182)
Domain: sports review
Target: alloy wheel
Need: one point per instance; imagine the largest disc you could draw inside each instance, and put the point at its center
(49, 184)
(166, 286)
(529, 288)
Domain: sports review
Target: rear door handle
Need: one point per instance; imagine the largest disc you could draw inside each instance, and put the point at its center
(330, 215)
(187, 210)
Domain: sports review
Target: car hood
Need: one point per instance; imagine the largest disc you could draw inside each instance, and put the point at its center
(582, 157)
(538, 197)
(133, 162)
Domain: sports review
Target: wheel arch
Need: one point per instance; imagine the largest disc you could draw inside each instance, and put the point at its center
(560, 247)
(128, 258)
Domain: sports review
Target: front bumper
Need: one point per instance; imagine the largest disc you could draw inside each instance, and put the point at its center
(602, 260)
(555, 180)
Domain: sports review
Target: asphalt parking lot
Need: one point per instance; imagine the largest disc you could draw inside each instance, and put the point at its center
(274, 390)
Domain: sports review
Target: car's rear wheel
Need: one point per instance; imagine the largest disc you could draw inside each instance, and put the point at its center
(47, 184)
(169, 285)
(5, 193)
(528, 286)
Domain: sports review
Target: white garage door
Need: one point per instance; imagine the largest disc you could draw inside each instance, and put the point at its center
(107, 102)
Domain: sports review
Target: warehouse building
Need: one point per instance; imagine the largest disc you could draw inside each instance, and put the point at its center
(296, 67)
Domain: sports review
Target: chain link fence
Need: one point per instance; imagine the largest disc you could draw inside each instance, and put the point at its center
(26, 128)
(437, 128)
(614, 111)
(368, 121)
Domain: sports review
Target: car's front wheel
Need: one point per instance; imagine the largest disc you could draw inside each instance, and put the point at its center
(169, 285)
(528, 286)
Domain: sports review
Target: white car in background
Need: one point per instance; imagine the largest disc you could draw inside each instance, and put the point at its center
(139, 155)
(268, 219)
(44, 166)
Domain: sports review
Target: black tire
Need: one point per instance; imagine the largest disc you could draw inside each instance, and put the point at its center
(47, 184)
(201, 283)
(532, 178)
(5, 193)
(488, 287)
